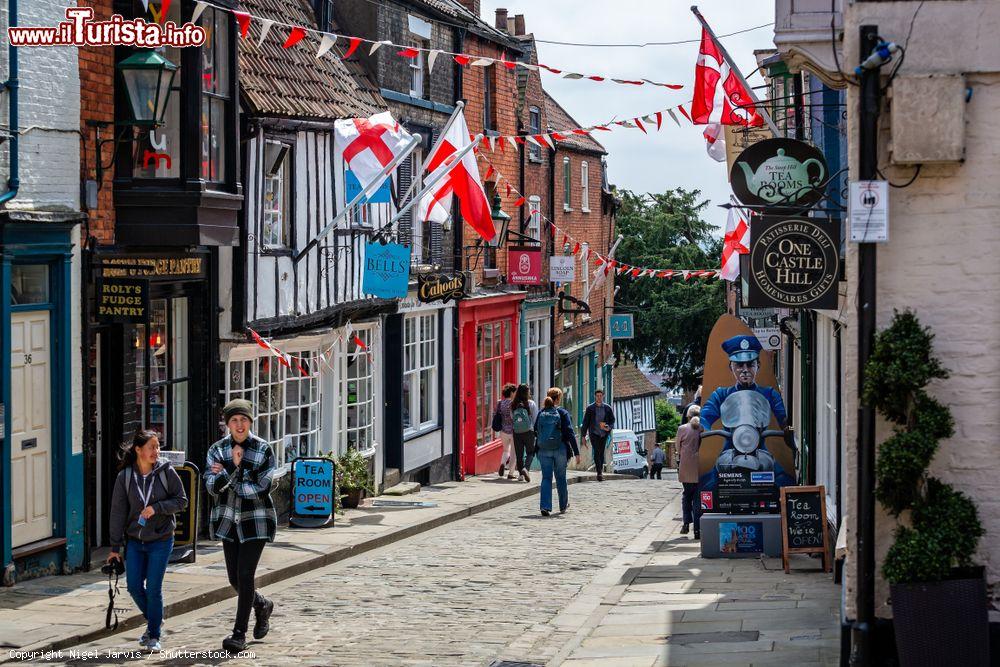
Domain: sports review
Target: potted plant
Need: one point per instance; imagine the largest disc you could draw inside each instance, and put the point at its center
(937, 595)
(353, 478)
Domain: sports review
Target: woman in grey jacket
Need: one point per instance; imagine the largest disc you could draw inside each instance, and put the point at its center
(148, 492)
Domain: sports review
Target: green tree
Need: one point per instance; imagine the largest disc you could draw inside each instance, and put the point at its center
(667, 419)
(673, 317)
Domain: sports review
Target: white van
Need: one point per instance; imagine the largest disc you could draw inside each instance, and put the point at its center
(628, 454)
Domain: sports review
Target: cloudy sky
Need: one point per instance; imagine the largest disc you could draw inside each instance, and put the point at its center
(675, 157)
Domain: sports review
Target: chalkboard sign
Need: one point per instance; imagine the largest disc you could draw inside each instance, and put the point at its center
(186, 532)
(803, 522)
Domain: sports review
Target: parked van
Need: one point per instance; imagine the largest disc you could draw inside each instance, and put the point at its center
(628, 454)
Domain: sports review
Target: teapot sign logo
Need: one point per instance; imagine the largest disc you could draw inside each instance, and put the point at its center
(779, 173)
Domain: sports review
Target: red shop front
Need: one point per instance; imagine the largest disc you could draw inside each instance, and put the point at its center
(488, 345)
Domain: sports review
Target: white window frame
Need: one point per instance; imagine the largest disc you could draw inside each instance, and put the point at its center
(420, 355)
(534, 229)
(585, 274)
(534, 150)
(567, 185)
(313, 404)
(349, 350)
(417, 79)
(277, 215)
(637, 415)
(585, 187)
(537, 355)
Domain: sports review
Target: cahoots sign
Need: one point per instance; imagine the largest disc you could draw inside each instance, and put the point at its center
(440, 287)
(794, 263)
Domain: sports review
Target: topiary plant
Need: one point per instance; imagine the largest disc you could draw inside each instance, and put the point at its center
(945, 526)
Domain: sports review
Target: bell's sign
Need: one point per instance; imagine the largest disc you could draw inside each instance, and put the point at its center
(794, 262)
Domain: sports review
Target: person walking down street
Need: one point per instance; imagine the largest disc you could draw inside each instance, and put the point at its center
(598, 420)
(555, 441)
(238, 476)
(147, 494)
(659, 456)
(523, 412)
(688, 444)
(503, 418)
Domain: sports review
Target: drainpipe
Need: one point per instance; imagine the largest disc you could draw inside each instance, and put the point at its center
(11, 86)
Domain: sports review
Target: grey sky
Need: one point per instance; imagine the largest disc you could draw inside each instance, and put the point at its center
(674, 157)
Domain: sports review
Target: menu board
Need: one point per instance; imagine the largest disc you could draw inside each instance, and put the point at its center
(803, 522)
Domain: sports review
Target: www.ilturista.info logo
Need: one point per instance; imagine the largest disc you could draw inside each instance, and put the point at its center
(79, 29)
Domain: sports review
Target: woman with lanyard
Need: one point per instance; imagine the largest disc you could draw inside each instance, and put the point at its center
(147, 494)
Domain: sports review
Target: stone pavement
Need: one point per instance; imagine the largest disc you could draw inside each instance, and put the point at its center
(59, 611)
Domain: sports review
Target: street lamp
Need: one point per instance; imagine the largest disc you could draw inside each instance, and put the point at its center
(501, 221)
(148, 78)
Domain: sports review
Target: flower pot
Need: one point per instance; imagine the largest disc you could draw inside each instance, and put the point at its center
(942, 622)
(352, 497)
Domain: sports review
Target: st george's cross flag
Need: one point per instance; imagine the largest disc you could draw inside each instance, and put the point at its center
(720, 96)
(462, 181)
(735, 243)
(370, 144)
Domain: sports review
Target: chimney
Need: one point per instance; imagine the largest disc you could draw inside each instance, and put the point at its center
(501, 23)
(510, 25)
(519, 25)
(471, 5)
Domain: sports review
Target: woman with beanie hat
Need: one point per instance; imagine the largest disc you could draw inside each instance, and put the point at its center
(238, 475)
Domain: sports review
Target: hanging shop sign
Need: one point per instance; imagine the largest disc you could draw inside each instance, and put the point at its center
(153, 267)
(739, 138)
(622, 326)
(122, 300)
(312, 492)
(779, 173)
(524, 266)
(352, 188)
(562, 269)
(387, 270)
(794, 263)
(440, 287)
(869, 211)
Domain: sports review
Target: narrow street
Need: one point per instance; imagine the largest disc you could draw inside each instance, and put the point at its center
(509, 585)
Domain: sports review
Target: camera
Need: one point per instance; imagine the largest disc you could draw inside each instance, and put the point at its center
(115, 567)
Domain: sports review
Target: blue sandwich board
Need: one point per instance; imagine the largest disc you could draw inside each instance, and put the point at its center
(312, 492)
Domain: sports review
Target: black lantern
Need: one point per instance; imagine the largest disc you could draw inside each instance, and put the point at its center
(148, 78)
(501, 221)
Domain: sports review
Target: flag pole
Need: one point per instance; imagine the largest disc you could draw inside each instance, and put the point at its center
(365, 191)
(434, 149)
(736, 70)
(456, 158)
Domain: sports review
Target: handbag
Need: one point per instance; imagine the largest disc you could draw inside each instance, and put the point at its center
(497, 424)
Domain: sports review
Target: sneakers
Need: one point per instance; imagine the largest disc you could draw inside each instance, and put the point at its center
(500, 471)
(153, 644)
(510, 475)
(262, 613)
(562, 510)
(685, 528)
(524, 475)
(144, 639)
(546, 512)
(235, 642)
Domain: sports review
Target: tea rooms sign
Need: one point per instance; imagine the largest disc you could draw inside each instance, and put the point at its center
(794, 263)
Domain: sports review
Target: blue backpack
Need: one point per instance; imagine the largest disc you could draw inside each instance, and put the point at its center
(549, 427)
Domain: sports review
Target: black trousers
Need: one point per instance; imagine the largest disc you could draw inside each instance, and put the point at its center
(598, 444)
(524, 445)
(691, 504)
(241, 565)
(657, 468)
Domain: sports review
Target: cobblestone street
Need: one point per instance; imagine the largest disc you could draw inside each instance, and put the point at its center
(480, 589)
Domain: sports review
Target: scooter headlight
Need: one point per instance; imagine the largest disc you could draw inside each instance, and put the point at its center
(745, 438)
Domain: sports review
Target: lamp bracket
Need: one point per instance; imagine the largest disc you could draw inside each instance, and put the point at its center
(582, 306)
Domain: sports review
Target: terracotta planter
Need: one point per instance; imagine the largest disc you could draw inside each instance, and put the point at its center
(942, 622)
(352, 497)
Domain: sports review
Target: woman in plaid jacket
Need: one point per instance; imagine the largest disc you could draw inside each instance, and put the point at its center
(238, 475)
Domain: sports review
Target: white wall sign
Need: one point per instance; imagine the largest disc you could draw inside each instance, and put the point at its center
(769, 337)
(869, 211)
(562, 269)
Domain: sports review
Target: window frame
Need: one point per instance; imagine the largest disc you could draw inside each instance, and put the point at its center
(585, 274)
(418, 67)
(489, 92)
(426, 361)
(534, 127)
(534, 222)
(288, 214)
(567, 184)
(537, 355)
(501, 355)
(584, 187)
(346, 351)
(220, 59)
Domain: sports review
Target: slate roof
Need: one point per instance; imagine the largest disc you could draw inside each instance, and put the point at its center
(476, 24)
(559, 119)
(293, 82)
(630, 382)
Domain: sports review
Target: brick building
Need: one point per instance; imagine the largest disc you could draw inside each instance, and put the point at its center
(583, 208)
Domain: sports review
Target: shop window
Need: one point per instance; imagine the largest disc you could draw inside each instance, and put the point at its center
(29, 283)
(271, 405)
(534, 229)
(277, 203)
(302, 408)
(216, 96)
(357, 385)
(538, 361)
(493, 350)
(534, 127)
(567, 184)
(420, 383)
(162, 377)
(585, 187)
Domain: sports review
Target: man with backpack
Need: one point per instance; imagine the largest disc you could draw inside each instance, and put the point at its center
(523, 412)
(555, 441)
(598, 420)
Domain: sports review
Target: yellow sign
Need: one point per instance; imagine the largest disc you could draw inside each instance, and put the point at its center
(738, 138)
(151, 266)
(122, 300)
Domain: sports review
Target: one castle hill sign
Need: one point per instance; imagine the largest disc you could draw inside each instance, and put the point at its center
(794, 262)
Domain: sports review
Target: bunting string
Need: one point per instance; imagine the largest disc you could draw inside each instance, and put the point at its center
(302, 364)
(326, 40)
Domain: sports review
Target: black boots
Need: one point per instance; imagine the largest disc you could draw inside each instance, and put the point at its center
(235, 643)
(685, 528)
(262, 609)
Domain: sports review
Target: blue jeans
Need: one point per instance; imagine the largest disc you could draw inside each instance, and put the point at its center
(145, 565)
(553, 461)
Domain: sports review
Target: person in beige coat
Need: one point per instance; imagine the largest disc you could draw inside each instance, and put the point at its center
(688, 444)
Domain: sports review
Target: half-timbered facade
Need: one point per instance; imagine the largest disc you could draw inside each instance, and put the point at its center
(634, 403)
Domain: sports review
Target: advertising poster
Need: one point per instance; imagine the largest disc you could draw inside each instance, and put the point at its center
(741, 537)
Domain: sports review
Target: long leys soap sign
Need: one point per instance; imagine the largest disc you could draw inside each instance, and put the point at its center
(387, 270)
(794, 263)
(122, 300)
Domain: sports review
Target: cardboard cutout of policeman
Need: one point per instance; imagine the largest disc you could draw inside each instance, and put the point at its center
(746, 475)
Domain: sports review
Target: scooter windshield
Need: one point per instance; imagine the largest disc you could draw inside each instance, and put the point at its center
(745, 407)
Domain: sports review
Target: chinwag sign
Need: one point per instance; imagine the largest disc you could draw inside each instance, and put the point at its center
(440, 287)
(387, 270)
(794, 263)
(779, 173)
(122, 300)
